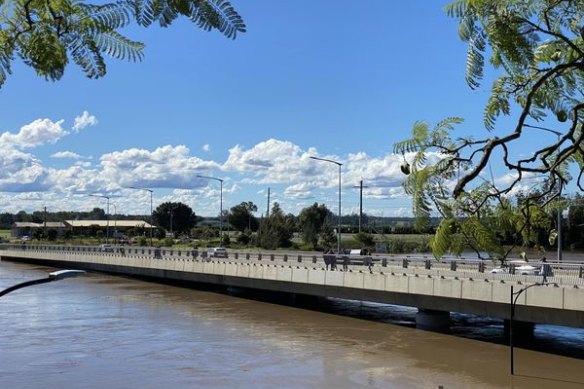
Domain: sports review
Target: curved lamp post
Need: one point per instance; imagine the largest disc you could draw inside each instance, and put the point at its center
(559, 222)
(54, 276)
(339, 231)
(221, 208)
(514, 297)
(151, 221)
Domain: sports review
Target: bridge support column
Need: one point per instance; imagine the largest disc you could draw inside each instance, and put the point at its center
(432, 320)
(522, 330)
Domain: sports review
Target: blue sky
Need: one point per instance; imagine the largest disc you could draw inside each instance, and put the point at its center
(338, 79)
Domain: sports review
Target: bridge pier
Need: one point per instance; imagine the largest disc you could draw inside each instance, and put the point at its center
(522, 330)
(432, 319)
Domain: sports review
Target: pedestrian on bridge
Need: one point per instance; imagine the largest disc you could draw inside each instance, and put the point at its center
(546, 270)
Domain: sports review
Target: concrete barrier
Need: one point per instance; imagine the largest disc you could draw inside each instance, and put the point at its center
(354, 280)
(477, 290)
(300, 274)
(397, 283)
(374, 281)
(334, 278)
(317, 276)
(421, 285)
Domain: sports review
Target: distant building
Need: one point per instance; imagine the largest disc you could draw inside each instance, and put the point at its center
(116, 226)
(20, 229)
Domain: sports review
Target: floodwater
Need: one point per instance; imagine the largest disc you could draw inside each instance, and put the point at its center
(102, 331)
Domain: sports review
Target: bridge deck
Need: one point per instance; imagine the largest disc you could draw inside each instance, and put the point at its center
(468, 289)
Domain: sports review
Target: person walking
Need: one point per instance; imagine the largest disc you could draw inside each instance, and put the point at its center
(546, 270)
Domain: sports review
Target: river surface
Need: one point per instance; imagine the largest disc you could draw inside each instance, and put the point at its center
(102, 331)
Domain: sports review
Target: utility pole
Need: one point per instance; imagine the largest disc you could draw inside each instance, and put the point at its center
(268, 212)
(360, 202)
(45, 224)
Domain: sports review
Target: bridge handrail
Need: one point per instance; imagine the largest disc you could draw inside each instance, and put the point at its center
(561, 273)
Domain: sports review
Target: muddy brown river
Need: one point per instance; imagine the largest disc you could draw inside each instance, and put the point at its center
(102, 331)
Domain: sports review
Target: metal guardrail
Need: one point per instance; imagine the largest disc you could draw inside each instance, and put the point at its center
(559, 273)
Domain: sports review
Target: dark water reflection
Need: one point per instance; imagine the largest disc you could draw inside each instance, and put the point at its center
(101, 331)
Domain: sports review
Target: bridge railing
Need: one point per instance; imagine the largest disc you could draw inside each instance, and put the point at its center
(558, 273)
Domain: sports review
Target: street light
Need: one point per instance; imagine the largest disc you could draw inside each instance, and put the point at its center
(339, 231)
(54, 276)
(514, 297)
(559, 218)
(151, 221)
(221, 207)
(115, 222)
(106, 216)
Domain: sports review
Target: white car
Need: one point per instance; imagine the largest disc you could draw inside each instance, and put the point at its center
(217, 252)
(106, 248)
(521, 268)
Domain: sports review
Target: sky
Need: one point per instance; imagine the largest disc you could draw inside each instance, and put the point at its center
(335, 79)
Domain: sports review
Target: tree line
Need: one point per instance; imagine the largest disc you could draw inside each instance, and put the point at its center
(317, 226)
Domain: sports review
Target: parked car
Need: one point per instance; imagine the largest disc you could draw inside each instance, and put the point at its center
(217, 252)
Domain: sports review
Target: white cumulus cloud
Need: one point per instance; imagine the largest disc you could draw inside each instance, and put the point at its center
(66, 155)
(37, 133)
(166, 167)
(83, 121)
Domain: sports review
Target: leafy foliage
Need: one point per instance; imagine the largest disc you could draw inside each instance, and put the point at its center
(180, 215)
(312, 220)
(46, 34)
(276, 230)
(241, 216)
(327, 237)
(538, 49)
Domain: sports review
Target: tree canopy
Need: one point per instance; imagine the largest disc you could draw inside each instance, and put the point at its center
(536, 50)
(47, 34)
(241, 216)
(180, 215)
(312, 220)
(276, 230)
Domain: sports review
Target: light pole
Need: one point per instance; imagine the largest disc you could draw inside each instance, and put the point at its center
(151, 221)
(106, 216)
(514, 297)
(54, 276)
(221, 208)
(339, 231)
(115, 222)
(559, 218)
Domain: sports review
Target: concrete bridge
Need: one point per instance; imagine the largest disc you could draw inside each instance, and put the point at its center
(435, 288)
